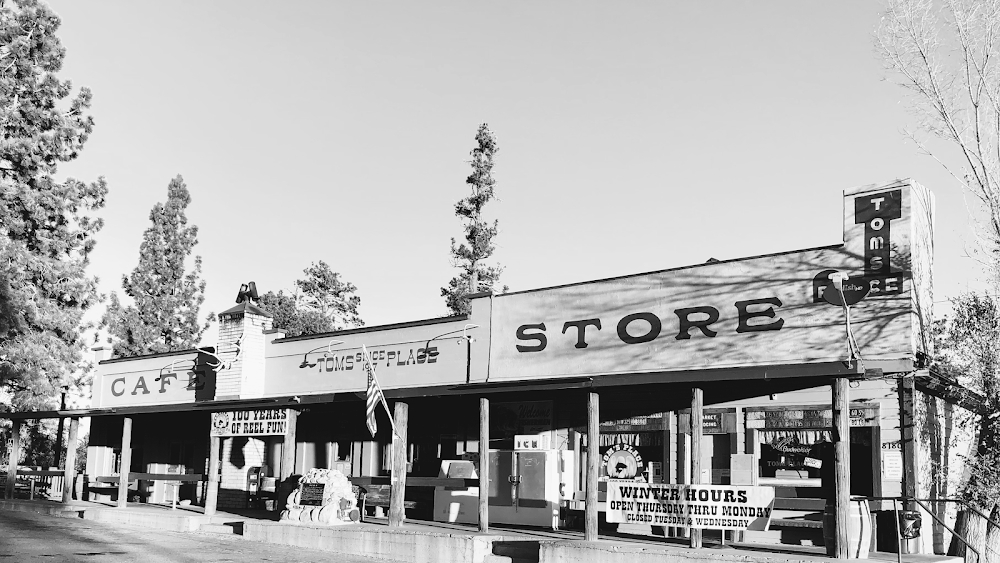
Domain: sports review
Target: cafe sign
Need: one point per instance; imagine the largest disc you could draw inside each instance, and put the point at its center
(257, 422)
(717, 507)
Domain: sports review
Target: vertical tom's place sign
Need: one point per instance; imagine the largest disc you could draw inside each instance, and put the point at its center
(720, 507)
(876, 212)
(764, 310)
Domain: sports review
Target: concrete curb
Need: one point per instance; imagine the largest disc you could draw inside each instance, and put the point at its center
(174, 523)
(576, 551)
(160, 521)
(61, 510)
(392, 544)
(395, 545)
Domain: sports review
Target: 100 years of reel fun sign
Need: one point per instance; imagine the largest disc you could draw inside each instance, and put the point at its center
(720, 507)
(256, 422)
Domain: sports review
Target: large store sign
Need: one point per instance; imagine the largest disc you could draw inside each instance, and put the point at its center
(406, 364)
(759, 311)
(719, 507)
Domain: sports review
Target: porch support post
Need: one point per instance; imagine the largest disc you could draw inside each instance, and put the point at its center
(288, 446)
(593, 459)
(212, 490)
(14, 456)
(69, 475)
(697, 422)
(126, 462)
(907, 394)
(842, 465)
(397, 482)
(484, 464)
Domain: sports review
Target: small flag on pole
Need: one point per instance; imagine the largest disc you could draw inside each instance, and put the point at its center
(374, 395)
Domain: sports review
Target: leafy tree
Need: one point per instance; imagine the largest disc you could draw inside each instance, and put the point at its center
(39, 444)
(321, 302)
(81, 453)
(946, 55)
(166, 298)
(966, 351)
(46, 232)
(470, 256)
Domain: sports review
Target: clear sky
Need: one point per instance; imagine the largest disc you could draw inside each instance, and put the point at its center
(633, 136)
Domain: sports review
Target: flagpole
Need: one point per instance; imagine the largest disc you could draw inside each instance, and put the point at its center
(368, 358)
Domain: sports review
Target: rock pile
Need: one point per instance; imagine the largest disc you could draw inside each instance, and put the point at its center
(339, 504)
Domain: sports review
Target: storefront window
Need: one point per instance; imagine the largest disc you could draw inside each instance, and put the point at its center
(792, 453)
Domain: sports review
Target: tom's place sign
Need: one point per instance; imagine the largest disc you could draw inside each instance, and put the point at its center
(258, 422)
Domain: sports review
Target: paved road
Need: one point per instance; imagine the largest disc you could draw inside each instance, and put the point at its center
(28, 537)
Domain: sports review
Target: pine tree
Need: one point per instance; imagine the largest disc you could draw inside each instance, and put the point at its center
(46, 234)
(321, 302)
(475, 275)
(166, 300)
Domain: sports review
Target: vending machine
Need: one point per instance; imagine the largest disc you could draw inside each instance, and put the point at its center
(526, 487)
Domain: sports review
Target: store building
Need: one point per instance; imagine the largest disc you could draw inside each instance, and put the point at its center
(755, 338)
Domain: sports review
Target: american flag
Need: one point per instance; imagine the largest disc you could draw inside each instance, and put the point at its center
(374, 392)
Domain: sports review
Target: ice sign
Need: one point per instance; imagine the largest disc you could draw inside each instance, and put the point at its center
(531, 442)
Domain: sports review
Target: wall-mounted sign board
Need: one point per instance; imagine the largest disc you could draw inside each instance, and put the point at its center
(717, 507)
(256, 422)
(818, 418)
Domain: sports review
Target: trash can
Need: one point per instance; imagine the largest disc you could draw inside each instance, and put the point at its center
(909, 531)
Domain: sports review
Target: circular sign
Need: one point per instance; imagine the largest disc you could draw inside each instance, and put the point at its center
(220, 422)
(853, 289)
(622, 461)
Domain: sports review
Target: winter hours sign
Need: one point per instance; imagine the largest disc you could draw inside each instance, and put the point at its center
(718, 507)
(258, 422)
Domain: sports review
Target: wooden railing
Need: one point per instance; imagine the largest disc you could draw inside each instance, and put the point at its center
(42, 472)
(975, 530)
(417, 482)
(32, 480)
(133, 476)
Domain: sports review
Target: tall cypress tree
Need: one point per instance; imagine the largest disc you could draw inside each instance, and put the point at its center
(166, 300)
(46, 234)
(470, 256)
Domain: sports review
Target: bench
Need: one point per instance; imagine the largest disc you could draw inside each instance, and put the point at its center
(377, 496)
(374, 491)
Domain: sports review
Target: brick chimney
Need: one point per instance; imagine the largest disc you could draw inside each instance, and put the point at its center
(241, 349)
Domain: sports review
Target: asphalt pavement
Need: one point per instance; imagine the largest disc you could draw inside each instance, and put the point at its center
(28, 537)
